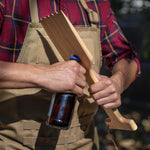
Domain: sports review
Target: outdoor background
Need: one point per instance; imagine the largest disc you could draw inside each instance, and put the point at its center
(134, 18)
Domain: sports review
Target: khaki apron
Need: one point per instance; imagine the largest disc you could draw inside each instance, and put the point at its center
(23, 112)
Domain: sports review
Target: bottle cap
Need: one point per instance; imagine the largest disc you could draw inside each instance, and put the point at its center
(75, 57)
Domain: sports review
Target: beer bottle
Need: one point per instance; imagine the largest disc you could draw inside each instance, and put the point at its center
(62, 107)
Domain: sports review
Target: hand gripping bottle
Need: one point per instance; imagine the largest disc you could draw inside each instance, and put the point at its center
(61, 107)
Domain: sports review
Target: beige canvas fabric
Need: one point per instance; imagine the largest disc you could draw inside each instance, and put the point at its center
(23, 112)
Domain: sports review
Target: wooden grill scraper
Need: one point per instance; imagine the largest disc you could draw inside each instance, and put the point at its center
(61, 32)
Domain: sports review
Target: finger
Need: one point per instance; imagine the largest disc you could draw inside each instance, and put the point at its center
(113, 98)
(99, 86)
(82, 69)
(81, 82)
(82, 76)
(112, 105)
(78, 91)
(104, 93)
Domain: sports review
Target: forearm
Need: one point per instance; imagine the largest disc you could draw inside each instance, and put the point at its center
(124, 73)
(15, 75)
(15, 85)
(49, 77)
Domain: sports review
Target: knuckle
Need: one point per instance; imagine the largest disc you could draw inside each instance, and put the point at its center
(116, 96)
(71, 85)
(112, 89)
(107, 81)
(91, 89)
(94, 97)
(74, 65)
(84, 79)
(84, 83)
(118, 103)
(80, 92)
(84, 70)
(76, 68)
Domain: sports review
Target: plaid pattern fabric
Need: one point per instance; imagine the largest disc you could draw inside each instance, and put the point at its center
(15, 16)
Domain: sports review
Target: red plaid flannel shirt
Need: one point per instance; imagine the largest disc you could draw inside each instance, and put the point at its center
(15, 16)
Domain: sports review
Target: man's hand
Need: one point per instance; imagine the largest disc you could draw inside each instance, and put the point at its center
(68, 76)
(106, 92)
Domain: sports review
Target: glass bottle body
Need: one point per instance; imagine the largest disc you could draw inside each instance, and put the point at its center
(61, 110)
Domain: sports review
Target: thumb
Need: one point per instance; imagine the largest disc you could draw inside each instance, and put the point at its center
(97, 75)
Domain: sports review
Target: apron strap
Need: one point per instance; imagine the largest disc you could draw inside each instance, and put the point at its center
(33, 11)
(93, 16)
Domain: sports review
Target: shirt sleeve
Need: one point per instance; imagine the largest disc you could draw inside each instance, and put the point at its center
(115, 45)
(2, 3)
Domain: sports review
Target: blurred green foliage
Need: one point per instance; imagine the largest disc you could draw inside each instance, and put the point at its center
(146, 47)
(146, 13)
